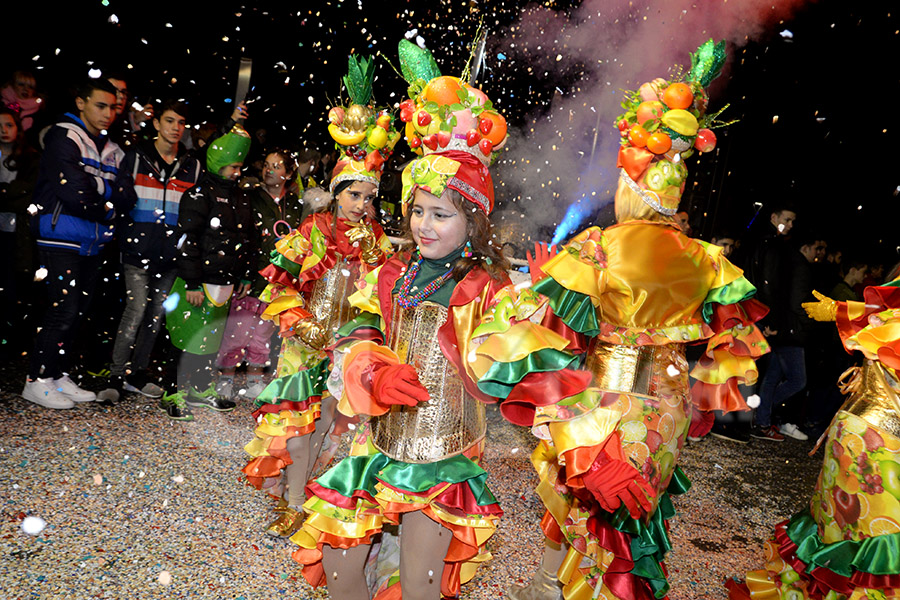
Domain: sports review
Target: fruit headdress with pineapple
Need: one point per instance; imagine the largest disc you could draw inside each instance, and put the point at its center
(453, 126)
(363, 134)
(664, 121)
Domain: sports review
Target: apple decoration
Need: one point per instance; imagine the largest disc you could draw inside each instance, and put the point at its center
(846, 507)
(706, 140)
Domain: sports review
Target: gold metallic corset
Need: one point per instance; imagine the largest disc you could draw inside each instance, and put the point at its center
(451, 421)
(328, 299)
(637, 369)
(874, 396)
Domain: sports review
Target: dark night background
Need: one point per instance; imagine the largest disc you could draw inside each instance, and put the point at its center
(827, 70)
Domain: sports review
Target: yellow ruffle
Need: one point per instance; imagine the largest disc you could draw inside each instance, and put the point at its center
(519, 341)
(726, 366)
(275, 425)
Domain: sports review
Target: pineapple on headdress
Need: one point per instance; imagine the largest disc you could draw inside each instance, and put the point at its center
(364, 135)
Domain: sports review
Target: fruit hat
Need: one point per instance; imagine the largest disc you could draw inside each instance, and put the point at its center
(454, 128)
(363, 134)
(446, 113)
(664, 121)
(228, 149)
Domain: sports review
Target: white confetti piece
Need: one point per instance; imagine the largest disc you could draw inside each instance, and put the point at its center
(98, 478)
(672, 371)
(753, 401)
(33, 525)
(178, 479)
(165, 578)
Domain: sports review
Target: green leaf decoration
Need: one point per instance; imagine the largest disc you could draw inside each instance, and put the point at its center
(359, 78)
(707, 62)
(416, 63)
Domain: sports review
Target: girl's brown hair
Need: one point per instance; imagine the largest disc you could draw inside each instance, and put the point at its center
(486, 254)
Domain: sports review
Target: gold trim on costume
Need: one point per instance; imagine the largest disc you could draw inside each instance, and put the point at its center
(452, 420)
(328, 299)
(634, 369)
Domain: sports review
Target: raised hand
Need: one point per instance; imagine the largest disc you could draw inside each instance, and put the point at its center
(824, 309)
(542, 253)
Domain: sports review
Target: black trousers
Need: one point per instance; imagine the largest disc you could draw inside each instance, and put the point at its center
(70, 282)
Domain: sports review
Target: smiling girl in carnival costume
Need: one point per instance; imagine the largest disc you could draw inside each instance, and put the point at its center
(844, 545)
(592, 357)
(312, 273)
(403, 363)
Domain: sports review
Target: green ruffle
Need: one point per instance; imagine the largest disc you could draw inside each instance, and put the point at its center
(296, 387)
(360, 321)
(502, 377)
(737, 291)
(878, 555)
(283, 262)
(574, 308)
(650, 541)
(363, 472)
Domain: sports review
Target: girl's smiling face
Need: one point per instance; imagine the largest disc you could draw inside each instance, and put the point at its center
(438, 227)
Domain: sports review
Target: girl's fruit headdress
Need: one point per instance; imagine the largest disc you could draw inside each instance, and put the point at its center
(364, 135)
(453, 126)
(664, 121)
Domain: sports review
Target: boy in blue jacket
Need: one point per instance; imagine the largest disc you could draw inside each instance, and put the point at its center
(78, 189)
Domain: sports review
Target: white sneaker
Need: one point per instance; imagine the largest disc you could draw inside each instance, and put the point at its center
(67, 388)
(44, 392)
(791, 430)
(254, 389)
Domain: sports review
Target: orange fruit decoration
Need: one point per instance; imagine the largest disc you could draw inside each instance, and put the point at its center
(637, 135)
(443, 90)
(649, 110)
(678, 95)
(498, 132)
(659, 142)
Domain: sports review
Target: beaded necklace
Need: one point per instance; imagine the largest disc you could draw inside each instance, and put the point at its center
(407, 300)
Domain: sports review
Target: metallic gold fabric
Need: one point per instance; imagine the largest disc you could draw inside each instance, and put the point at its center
(874, 397)
(328, 299)
(451, 421)
(631, 369)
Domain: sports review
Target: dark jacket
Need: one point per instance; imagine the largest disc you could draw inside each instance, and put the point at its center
(783, 280)
(15, 198)
(267, 213)
(215, 237)
(79, 188)
(147, 231)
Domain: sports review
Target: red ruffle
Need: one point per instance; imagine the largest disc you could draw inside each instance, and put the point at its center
(542, 389)
(701, 422)
(286, 405)
(745, 312)
(578, 343)
(724, 396)
(329, 495)
(457, 499)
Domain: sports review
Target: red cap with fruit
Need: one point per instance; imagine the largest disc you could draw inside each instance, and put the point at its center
(664, 121)
(446, 113)
(364, 135)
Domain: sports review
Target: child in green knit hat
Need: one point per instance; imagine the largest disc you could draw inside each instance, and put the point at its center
(217, 244)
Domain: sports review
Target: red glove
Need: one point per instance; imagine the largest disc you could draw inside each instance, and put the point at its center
(613, 483)
(541, 255)
(398, 384)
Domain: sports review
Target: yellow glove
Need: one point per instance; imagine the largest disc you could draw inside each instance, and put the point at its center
(368, 247)
(825, 309)
(311, 333)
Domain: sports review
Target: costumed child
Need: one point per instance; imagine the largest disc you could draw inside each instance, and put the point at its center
(312, 272)
(844, 545)
(215, 245)
(592, 357)
(247, 335)
(403, 363)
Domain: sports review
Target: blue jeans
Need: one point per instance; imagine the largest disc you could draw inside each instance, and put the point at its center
(784, 377)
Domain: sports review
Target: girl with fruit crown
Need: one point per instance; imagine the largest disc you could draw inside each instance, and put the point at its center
(844, 546)
(312, 273)
(403, 363)
(592, 358)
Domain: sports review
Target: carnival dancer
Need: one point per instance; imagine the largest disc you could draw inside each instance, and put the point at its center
(592, 358)
(403, 362)
(312, 272)
(844, 545)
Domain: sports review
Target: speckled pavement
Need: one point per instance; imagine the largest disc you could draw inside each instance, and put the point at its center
(132, 499)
